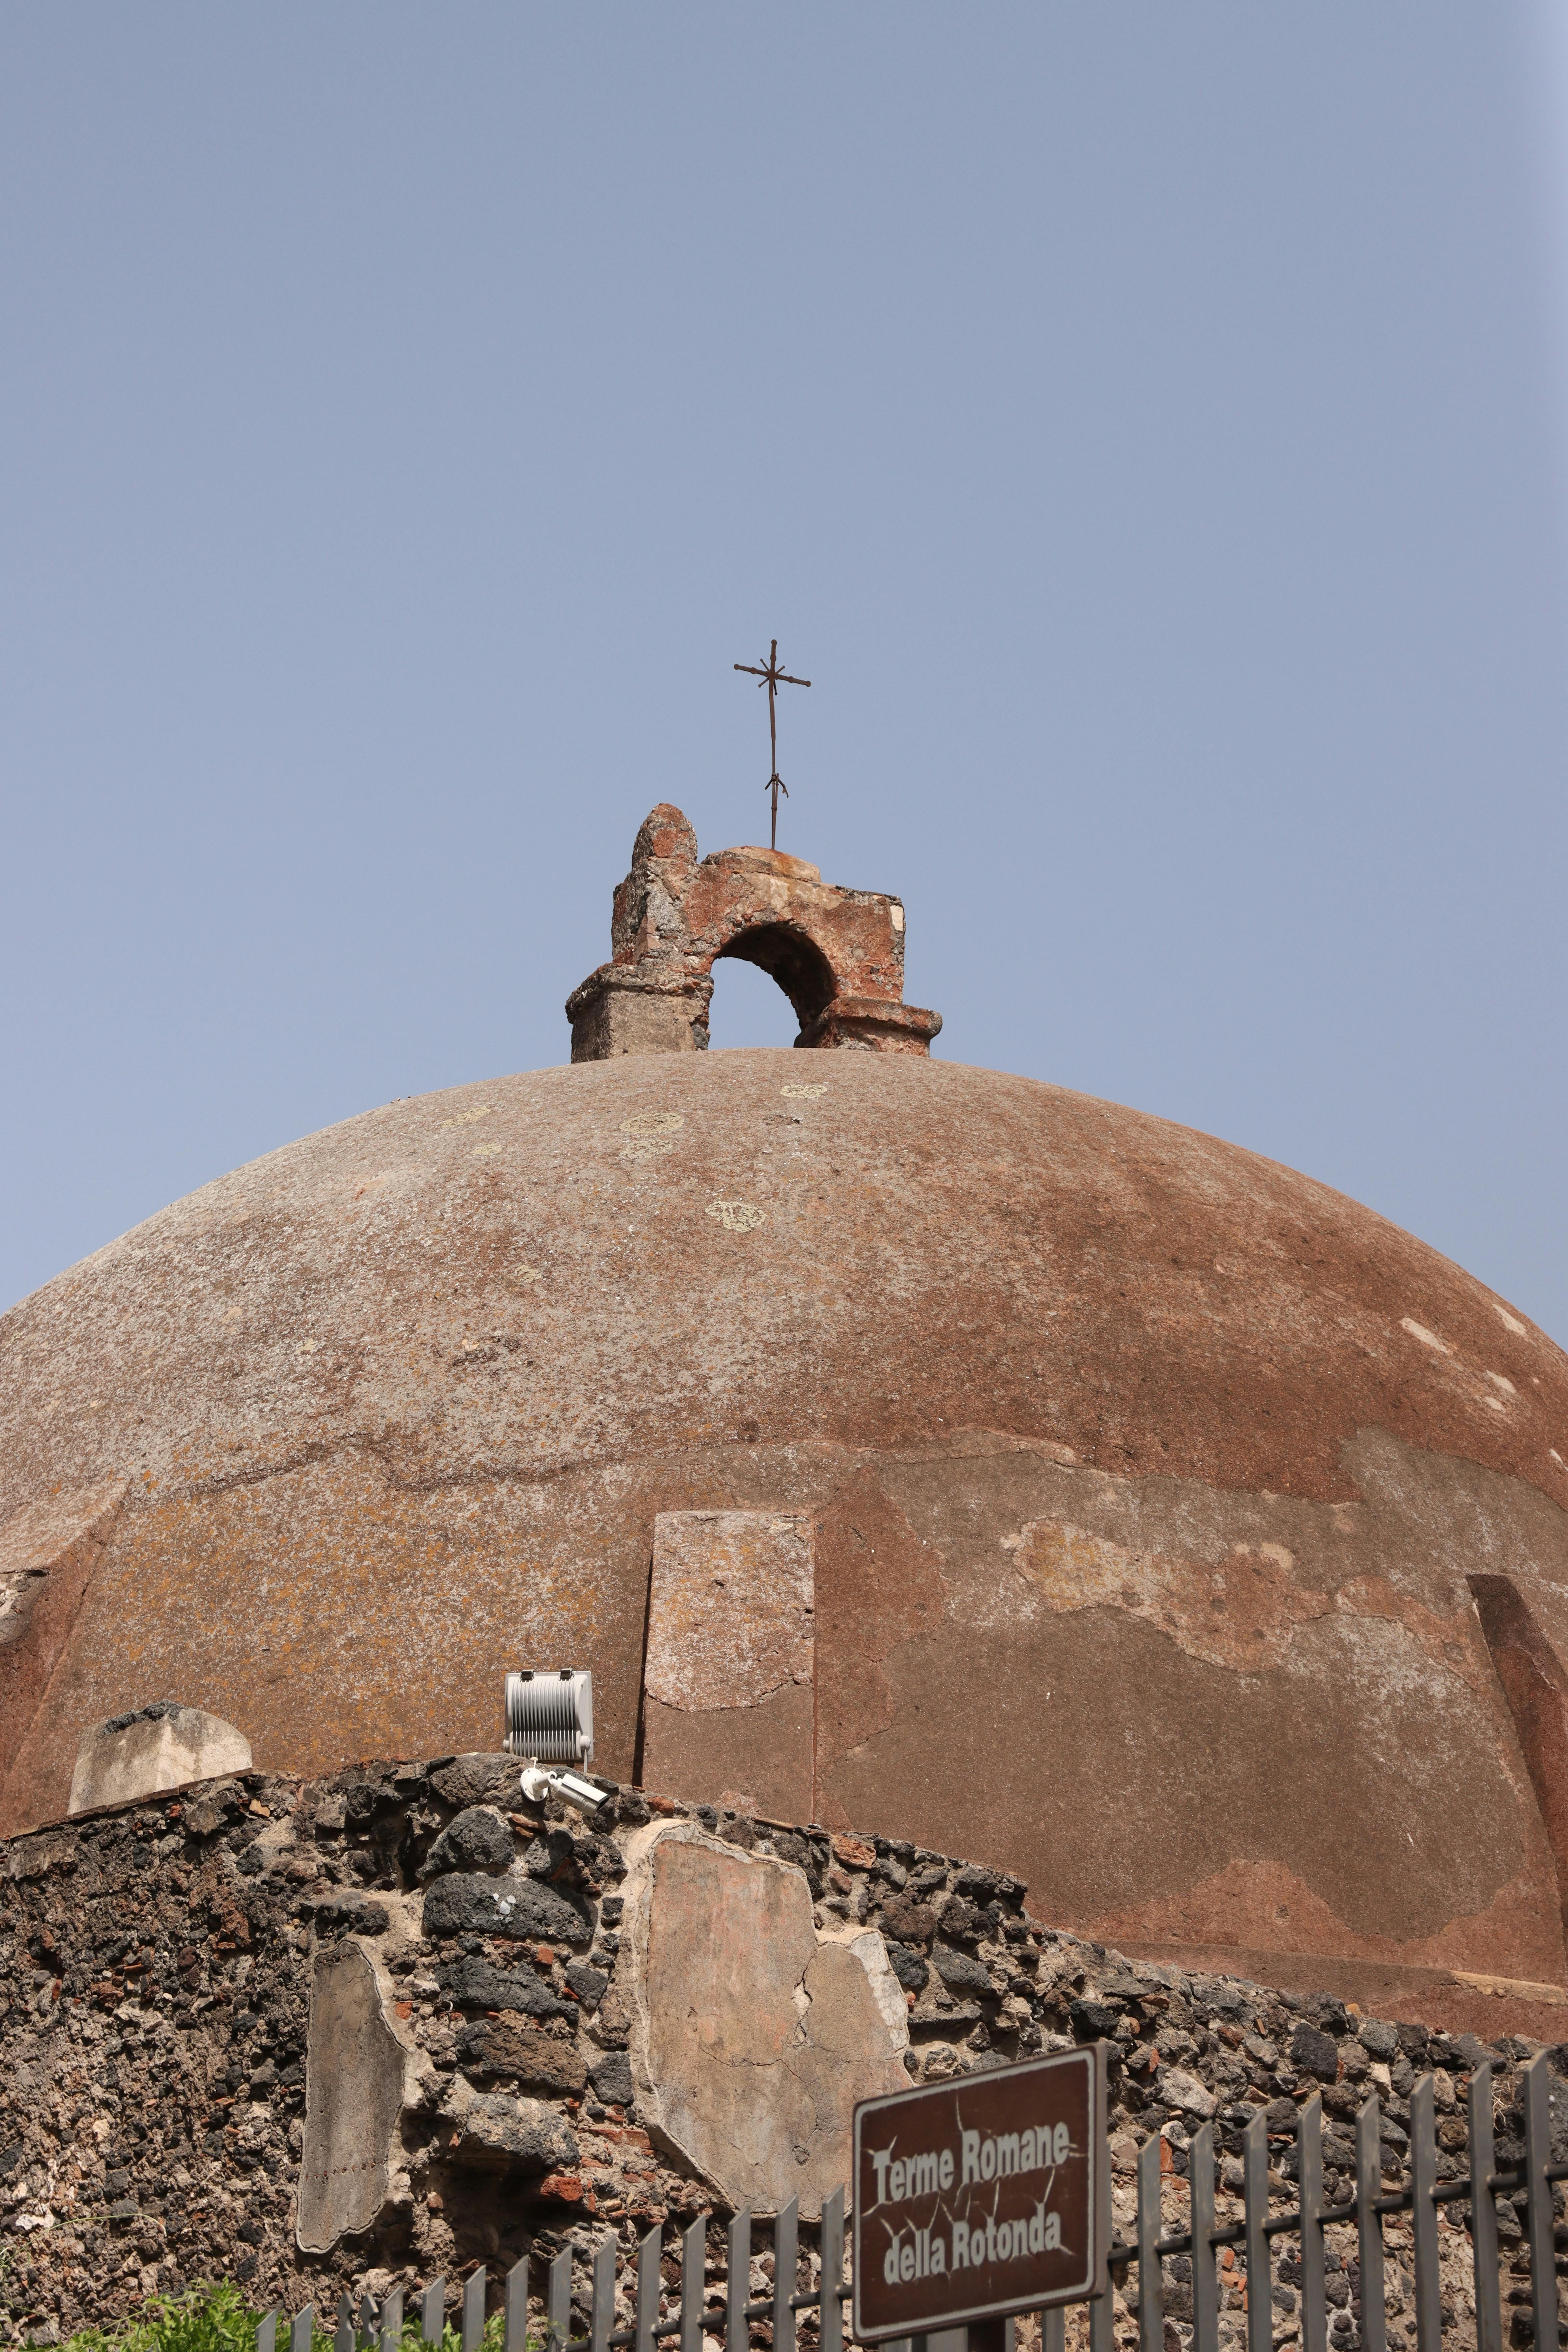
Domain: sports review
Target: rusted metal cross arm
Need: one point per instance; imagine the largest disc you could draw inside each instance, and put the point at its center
(782, 675)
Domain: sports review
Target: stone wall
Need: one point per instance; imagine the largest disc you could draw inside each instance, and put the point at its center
(398, 2022)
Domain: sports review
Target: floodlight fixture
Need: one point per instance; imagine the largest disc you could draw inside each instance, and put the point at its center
(550, 1716)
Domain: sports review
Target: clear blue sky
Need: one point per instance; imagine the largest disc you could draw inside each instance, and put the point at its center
(1144, 425)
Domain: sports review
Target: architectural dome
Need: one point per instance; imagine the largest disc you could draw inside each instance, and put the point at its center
(973, 1462)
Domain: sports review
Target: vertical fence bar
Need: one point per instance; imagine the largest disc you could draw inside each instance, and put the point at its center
(694, 2245)
(1369, 2225)
(602, 2316)
(432, 2311)
(558, 2319)
(1424, 2217)
(474, 2309)
(343, 2336)
(1206, 2283)
(1151, 2280)
(365, 2328)
(392, 2321)
(648, 2290)
(1537, 2156)
(1054, 2329)
(1310, 2193)
(1254, 2191)
(302, 2330)
(1102, 2320)
(267, 2333)
(1483, 2214)
(737, 2281)
(786, 2247)
(830, 2313)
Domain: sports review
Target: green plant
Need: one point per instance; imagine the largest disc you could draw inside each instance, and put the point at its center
(218, 2319)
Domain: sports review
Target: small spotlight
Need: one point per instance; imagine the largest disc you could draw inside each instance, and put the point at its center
(537, 1784)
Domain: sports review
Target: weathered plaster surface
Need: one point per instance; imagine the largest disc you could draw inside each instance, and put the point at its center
(730, 1608)
(753, 2037)
(1041, 1371)
(354, 2071)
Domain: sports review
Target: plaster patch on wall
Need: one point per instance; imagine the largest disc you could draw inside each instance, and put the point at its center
(1255, 1603)
(752, 2037)
(729, 1675)
(354, 2095)
(730, 1607)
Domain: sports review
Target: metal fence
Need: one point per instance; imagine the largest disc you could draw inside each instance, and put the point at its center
(690, 2312)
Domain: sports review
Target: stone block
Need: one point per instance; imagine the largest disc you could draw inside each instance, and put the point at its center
(158, 1747)
(615, 1013)
(492, 2129)
(508, 2045)
(466, 1905)
(728, 1702)
(353, 2090)
(754, 2038)
(475, 1983)
(478, 1839)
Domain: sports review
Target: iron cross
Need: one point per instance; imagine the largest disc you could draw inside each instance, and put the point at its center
(773, 677)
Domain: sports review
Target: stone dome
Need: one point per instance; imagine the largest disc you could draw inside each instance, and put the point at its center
(1188, 1540)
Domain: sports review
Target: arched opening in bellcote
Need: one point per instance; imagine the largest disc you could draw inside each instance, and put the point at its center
(742, 1012)
(837, 954)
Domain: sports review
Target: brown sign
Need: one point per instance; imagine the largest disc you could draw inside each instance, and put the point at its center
(981, 2196)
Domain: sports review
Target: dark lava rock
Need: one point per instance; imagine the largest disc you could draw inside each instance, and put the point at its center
(612, 2079)
(478, 1839)
(975, 1880)
(549, 1857)
(962, 1922)
(961, 1972)
(588, 1983)
(350, 1915)
(1312, 2052)
(910, 1922)
(907, 1967)
(519, 1907)
(479, 1780)
(479, 1984)
(1092, 2021)
(509, 2046)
